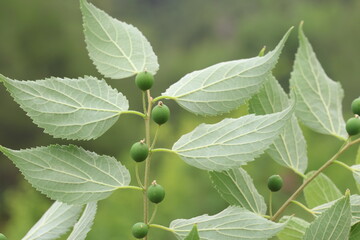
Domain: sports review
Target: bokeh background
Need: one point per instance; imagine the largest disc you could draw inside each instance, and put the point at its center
(42, 38)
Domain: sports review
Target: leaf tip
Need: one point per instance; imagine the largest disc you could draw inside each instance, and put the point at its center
(262, 51)
(347, 193)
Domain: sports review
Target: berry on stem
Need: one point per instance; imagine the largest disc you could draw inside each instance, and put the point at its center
(144, 80)
(155, 193)
(140, 230)
(139, 151)
(353, 126)
(355, 106)
(275, 183)
(160, 113)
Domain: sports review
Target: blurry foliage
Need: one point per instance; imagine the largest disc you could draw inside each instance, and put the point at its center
(44, 38)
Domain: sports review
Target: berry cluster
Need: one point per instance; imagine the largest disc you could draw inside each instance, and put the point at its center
(353, 124)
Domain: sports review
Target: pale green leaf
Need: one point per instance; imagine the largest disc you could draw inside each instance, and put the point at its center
(83, 226)
(234, 223)
(294, 229)
(231, 142)
(289, 149)
(57, 220)
(81, 109)
(225, 86)
(355, 232)
(333, 224)
(68, 173)
(321, 190)
(237, 188)
(355, 208)
(318, 98)
(193, 235)
(118, 49)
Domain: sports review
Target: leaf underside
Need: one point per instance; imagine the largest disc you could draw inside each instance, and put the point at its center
(294, 229)
(83, 226)
(68, 173)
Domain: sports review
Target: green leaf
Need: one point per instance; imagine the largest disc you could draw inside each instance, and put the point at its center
(83, 226)
(294, 229)
(118, 49)
(318, 98)
(193, 235)
(333, 224)
(237, 188)
(234, 223)
(80, 109)
(321, 190)
(55, 222)
(225, 86)
(355, 232)
(355, 208)
(231, 142)
(289, 149)
(68, 173)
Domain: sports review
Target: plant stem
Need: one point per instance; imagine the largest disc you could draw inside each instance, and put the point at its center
(270, 204)
(137, 176)
(303, 207)
(162, 150)
(308, 180)
(162, 97)
(134, 112)
(161, 227)
(132, 187)
(344, 165)
(153, 214)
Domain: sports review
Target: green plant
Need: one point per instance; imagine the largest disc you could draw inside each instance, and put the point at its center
(160, 113)
(144, 80)
(2, 237)
(353, 126)
(355, 106)
(275, 183)
(139, 151)
(156, 193)
(140, 230)
(85, 108)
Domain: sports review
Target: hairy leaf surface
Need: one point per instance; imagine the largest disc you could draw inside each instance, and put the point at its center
(83, 226)
(118, 49)
(355, 208)
(231, 142)
(79, 109)
(68, 173)
(225, 86)
(234, 223)
(56, 221)
(333, 224)
(289, 149)
(237, 188)
(318, 98)
(294, 229)
(321, 190)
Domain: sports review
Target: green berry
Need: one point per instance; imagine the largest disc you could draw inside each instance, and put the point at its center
(160, 114)
(355, 106)
(144, 80)
(139, 151)
(275, 183)
(353, 126)
(139, 230)
(156, 193)
(2, 237)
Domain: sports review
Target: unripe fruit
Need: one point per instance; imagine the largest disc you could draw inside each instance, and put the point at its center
(275, 183)
(155, 193)
(144, 80)
(2, 237)
(355, 106)
(353, 126)
(139, 151)
(140, 230)
(160, 114)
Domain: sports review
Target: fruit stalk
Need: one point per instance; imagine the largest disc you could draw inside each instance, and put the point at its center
(308, 180)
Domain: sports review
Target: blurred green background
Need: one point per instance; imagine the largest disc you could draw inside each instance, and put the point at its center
(44, 38)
